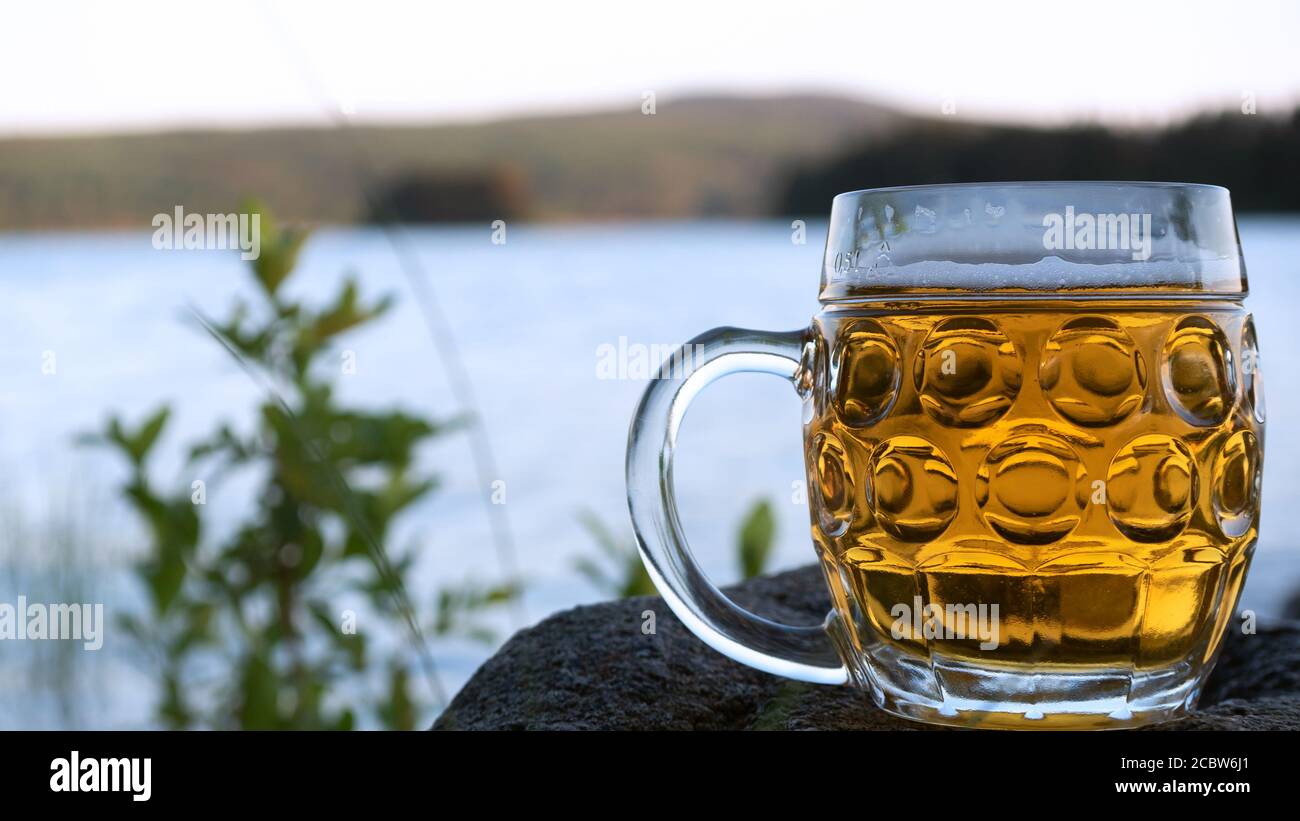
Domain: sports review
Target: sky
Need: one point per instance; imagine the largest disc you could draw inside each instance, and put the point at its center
(88, 66)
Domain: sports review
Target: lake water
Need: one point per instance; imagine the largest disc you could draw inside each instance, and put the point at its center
(530, 318)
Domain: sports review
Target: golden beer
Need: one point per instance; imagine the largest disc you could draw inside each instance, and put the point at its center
(1090, 466)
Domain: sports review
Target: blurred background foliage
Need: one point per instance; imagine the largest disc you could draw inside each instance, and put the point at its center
(1253, 156)
(248, 626)
(616, 567)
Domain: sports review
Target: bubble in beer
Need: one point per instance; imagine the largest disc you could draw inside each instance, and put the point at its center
(1198, 372)
(865, 365)
(1236, 483)
(1031, 489)
(1151, 488)
(967, 373)
(834, 498)
(912, 488)
(1092, 371)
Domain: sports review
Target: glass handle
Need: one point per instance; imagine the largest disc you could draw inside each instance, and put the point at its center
(802, 653)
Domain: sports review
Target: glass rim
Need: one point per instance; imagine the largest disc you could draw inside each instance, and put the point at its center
(941, 186)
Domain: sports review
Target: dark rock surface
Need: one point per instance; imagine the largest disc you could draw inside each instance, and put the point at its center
(592, 668)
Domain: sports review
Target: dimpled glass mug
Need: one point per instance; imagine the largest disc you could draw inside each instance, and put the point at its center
(1033, 431)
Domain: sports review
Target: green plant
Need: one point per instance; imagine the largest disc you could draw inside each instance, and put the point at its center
(754, 541)
(251, 626)
(621, 573)
(625, 575)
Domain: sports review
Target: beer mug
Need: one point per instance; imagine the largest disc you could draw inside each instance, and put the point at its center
(1033, 433)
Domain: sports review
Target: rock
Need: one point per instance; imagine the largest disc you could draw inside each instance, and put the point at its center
(592, 668)
(1269, 713)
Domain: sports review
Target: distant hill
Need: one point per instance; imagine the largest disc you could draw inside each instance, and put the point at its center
(693, 157)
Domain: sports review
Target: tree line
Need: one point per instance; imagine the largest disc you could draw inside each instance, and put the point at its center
(1254, 156)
